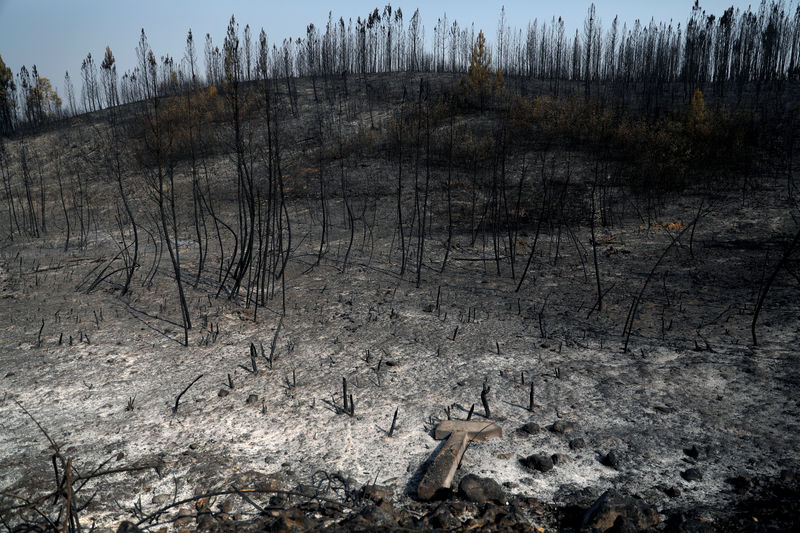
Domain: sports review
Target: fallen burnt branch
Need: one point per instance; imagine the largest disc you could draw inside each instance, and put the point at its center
(65, 491)
(152, 517)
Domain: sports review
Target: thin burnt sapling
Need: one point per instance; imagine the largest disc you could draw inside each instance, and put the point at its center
(485, 400)
(423, 214)
(629, 320)
(394, 421)
(762, 295)
(178, 398)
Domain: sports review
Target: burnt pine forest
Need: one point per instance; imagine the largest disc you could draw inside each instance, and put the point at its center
(379, 218)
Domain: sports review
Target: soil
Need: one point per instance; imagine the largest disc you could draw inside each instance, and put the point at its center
(99, 373)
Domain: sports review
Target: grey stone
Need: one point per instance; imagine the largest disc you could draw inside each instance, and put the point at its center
(542, 463)
(605, 512)
(611, 460)
(692, 474)
(531, 428)
(443, 518)
(480, 489)
(379, 515)
(577, 444)
(127, 527)
(562, 427)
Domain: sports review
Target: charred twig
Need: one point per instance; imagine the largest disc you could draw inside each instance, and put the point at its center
(485, 401)
(178, 399)
(177, 503)
(39, 336)
(344, 395)
(253, 355)
(248, 500)
(531, 405)
(394, 420)
(274, 342)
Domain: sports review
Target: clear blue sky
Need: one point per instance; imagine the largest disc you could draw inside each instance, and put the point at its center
(57, 34)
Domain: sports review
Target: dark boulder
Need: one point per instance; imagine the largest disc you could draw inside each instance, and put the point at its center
(613, 504)
(481, 489)
(540, 462)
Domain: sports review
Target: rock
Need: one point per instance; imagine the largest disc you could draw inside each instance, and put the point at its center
(742, 483)
(672, 491)
(531, 428)
(292, 520)
(559, 459)
(429, 308)
(611, 460)
(377, 493)
(379, 515)
(223, 393)
(613, 504)
(127, 527)
(498, 518)
(460, 508)
(542, 463)
(443, 518)
(693, 452)
(253, 398)
(623, 524)
(787, 476)
(577, 444)
(481, 489)
(562, 427)
(692, 474)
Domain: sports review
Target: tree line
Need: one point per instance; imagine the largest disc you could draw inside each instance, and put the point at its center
(725, 53)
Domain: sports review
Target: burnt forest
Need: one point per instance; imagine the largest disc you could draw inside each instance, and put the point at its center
(509, 278)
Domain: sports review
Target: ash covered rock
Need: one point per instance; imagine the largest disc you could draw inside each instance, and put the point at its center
(531, 428)
(481, 489)
(577, 444)
(692, 474)
(562, 427)
(559, 459)
(443, 518)
(611, 460)
(613, 505)
(540, 462)
(377, 493)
